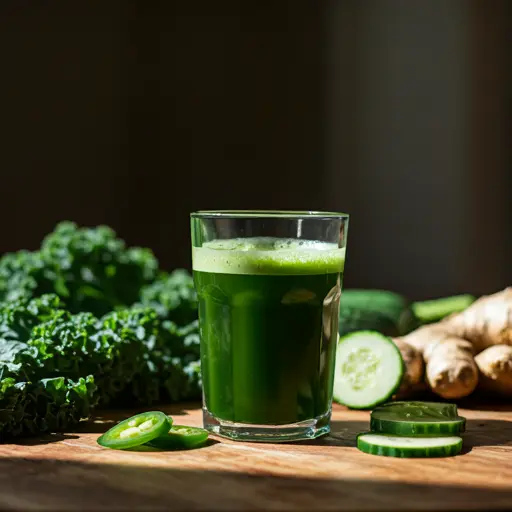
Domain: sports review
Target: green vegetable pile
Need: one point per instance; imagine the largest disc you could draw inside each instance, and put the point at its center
(86, 321)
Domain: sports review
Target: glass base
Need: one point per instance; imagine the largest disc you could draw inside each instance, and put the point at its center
(308, 429)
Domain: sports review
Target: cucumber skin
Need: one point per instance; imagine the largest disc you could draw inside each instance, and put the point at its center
(408, 453)
(352, 320)
(378, 310)
(419, 429)
(373, 404)
(395, 387)
(449, 407)
(435, 310)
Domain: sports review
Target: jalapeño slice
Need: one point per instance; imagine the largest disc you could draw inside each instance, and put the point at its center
(180, 437)
(137, 430)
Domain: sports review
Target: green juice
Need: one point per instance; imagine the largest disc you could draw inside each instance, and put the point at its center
(268, 313)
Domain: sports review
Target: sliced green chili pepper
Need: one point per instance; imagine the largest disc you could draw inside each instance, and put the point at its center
(137, 430)
(180, 437)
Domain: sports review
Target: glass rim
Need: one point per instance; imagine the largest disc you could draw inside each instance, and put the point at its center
(274, 214)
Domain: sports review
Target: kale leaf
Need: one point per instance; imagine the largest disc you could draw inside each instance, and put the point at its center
(173, 296)
(170, 360)
(22, 275)
(48, 405)
(90, 268)
(172, 369)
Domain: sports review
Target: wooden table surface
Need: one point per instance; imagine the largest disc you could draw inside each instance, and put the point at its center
(71, 472)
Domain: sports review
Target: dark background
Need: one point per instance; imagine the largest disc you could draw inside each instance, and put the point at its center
(135, 113)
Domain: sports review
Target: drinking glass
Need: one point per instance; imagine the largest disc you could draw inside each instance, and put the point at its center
(268, 284)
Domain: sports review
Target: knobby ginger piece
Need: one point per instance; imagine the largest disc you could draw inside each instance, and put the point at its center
(495, 365)
(451, 371)
(487, 322)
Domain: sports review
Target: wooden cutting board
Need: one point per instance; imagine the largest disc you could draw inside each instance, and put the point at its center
(71, 472)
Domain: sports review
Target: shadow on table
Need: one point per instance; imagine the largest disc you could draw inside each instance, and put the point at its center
(42, 439)
(343, 433)
(146, 448)
(481, 401)
(103, 420)
(27, 484)
(487, 432)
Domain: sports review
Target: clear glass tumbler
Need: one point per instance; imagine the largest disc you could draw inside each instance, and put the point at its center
(269, 284)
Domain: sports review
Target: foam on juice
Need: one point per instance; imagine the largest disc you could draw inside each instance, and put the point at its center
(268, 256)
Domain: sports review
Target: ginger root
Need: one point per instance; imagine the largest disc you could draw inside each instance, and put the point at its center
(467, 347)
(412, 380)
(487, 322)
(495, 365)
(451, 371)
(451, 368)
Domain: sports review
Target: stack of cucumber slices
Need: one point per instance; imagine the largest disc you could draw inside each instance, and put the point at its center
(154, 429)
(413, 429)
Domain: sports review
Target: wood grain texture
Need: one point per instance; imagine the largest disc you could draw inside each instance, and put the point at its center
(71, 472)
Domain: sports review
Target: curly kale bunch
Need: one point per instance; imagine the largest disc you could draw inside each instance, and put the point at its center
(170, 369)
(22, 275)
(87, 321)
(31, 399)
(89, 268)
(172, 358)
(48, 405)
(173, 296)
(94, 270)
(48, 341)
(56, 366)
(80, 344)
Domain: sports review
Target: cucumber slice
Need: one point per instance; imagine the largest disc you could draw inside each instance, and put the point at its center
(368, 370)
(417, 419)
(397, 446)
